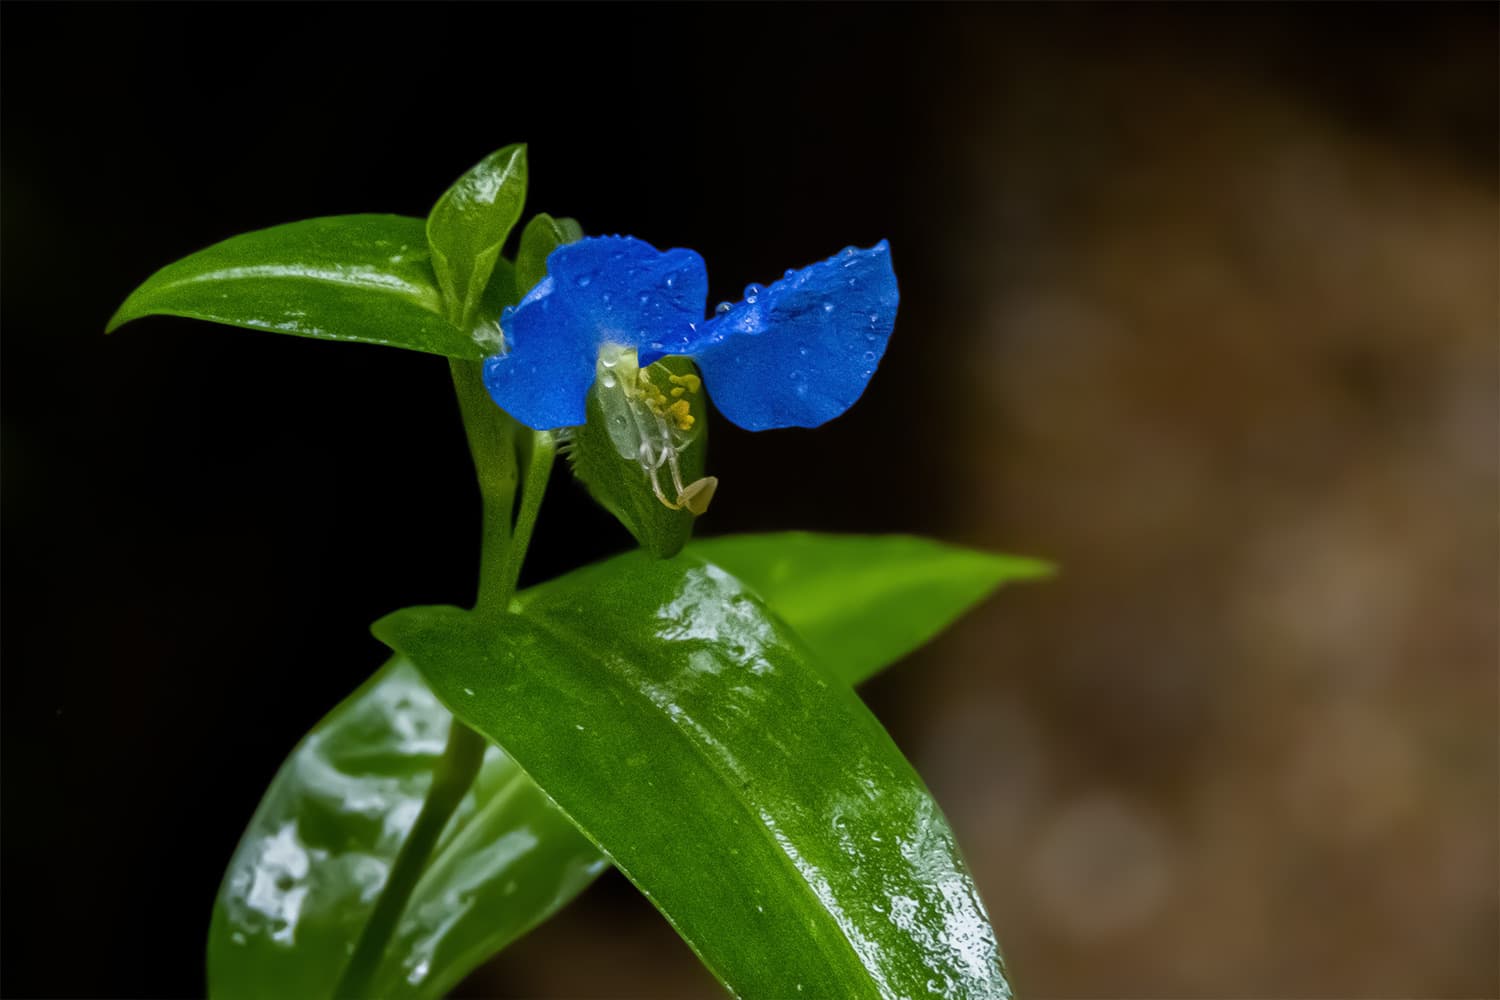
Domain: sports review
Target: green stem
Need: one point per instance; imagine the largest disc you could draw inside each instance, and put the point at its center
(451, 778)
(534, 487)
(493, 442)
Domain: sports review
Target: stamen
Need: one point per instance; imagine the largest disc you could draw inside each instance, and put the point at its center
(649, 427)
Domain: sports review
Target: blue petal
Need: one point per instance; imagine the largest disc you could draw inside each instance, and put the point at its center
(799, 353)
(612, 289)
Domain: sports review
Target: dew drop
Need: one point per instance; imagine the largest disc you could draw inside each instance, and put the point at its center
(796, 376)
(789, 272)
(607, 379)
(803, 351)
(583, 280)
(828, 307)
(869, 355)
(722, 308)
(752, 292)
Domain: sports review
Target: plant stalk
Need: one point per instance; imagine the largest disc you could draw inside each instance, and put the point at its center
(493, 439)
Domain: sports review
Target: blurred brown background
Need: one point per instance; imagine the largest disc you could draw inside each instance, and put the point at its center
(1198, 301)
(1226, 350)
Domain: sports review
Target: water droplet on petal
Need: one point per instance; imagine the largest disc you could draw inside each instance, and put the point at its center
(802, 351)
(722, 308)
(869, 355)
(583, 280)
(789, 272)
(608, 380)
(796, 376)
(752, 291)
(828, 307)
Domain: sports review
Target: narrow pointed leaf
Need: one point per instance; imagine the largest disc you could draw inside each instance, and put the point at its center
(469, 224)
(861, 602)
(757, 803)
(364, 278)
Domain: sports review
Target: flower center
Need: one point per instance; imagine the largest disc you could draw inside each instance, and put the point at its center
(651, 424)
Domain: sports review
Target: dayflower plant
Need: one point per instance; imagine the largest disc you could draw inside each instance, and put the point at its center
(683, 712)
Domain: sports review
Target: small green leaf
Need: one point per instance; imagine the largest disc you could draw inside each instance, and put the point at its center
(861, 602)
(542, 235)
(365, 278)
(622, 486)
(306, 874)
(757, 804)
(469, 224)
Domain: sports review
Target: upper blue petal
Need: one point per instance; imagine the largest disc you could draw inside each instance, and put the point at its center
(799, 353)
(611, 289)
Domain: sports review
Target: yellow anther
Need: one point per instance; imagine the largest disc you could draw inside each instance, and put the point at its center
(681, 413)
(690, 382)
(677, 392)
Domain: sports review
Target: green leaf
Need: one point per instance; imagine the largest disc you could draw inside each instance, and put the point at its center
(308, 870)
(621, 485)
(861, 602)
(757, 804)
(475, 897)
(469, 224)
(542, 235)
(364, 278)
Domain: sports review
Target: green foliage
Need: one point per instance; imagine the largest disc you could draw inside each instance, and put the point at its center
(378, 748)
(365, 278)
(812, 859)
(687, 715)
(469, 224)
(863, 601)
(542, 235)
(310, 866)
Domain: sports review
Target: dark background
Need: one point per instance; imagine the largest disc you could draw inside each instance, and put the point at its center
(1199, 301)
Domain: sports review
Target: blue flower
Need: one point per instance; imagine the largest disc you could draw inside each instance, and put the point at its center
(796, 353)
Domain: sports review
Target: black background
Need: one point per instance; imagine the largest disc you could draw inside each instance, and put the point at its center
(200, 523)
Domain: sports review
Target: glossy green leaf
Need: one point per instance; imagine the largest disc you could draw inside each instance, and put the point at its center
(622, 486)
(861, 602)
(542, 235)
(381, 744)
(756, 802)
(365, 278)
(311, 864)
(469, 223)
